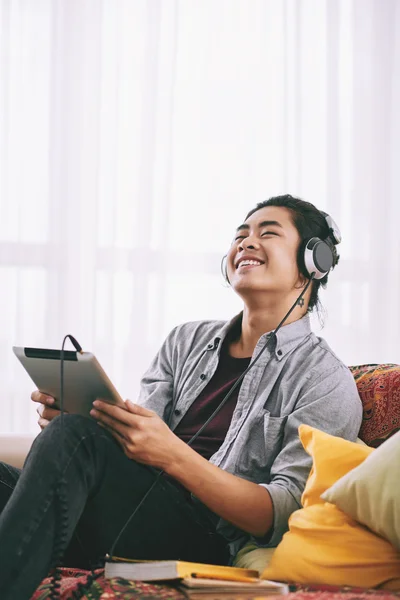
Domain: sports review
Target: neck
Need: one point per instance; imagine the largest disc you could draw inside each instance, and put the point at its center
(258, 320)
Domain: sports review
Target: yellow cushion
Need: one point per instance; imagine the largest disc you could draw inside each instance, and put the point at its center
(332, 457)
(370, 493)
(323, 544)
(252, 556)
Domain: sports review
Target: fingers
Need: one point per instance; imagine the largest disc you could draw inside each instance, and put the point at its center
(115, 433)
(37, 396)
(138, 410)
(117, 413)
(47, 413)
(110, 423)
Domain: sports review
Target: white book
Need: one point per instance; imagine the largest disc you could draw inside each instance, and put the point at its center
(163, 570)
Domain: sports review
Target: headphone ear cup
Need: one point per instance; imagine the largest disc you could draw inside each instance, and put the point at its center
(224, 269)
(318, 258)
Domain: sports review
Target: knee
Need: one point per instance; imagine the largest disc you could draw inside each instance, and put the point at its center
(73, 424)
(75, 434)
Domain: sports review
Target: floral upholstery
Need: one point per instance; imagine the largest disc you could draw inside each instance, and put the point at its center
(105, 589)
(379, 390)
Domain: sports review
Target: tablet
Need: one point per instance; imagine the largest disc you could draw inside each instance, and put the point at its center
(84, 379)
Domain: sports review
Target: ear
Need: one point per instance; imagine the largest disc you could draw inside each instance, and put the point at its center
(301, 282)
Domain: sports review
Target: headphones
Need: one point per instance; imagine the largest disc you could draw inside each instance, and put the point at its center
(319, 256)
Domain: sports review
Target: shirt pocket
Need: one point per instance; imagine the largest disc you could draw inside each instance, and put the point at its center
(261, 443)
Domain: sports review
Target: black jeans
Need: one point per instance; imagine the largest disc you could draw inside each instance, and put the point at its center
(102, 488)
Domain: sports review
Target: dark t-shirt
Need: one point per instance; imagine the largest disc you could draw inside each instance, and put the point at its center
(228, 371)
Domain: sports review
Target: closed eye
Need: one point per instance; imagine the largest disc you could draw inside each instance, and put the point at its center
(242, 237)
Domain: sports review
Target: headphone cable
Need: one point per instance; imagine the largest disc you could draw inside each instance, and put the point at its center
(60, 492)
(216, 411)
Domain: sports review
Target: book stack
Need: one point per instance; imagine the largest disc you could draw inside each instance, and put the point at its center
(198, 581)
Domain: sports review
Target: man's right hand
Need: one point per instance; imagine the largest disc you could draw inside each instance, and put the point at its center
(44, 410)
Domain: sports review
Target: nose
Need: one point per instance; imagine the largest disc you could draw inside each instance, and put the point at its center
(248, 242)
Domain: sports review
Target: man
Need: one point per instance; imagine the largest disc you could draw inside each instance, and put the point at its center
(243, 476)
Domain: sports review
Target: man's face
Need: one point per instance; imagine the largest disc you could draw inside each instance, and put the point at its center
(263, 254)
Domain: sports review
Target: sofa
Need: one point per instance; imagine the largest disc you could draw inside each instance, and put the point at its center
(379, 390)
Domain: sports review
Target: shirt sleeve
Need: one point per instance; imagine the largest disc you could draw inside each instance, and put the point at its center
(330, 403)
(157, 384)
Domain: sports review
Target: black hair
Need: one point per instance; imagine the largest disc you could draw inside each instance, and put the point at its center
(309, 222)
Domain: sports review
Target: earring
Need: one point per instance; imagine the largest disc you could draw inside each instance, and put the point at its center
(300, 302)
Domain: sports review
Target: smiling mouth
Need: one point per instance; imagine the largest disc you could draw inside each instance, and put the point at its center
(248, 264)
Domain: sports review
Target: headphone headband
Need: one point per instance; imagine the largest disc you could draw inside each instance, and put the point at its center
(334, 231)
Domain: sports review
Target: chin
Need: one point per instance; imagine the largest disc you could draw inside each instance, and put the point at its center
(250, 287)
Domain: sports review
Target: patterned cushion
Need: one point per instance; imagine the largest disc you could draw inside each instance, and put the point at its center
(379, 390)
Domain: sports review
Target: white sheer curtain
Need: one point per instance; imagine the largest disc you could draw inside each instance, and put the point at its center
(136, 134)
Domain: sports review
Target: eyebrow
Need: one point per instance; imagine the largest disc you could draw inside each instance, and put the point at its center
(260, 225)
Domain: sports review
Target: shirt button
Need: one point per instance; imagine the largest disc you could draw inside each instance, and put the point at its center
(203, 376)
(177, 412)
(279, 352)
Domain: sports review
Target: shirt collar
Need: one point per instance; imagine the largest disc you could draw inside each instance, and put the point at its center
(290, 336)
(287, 338)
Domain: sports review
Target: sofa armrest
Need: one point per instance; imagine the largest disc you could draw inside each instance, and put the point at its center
(15, 447)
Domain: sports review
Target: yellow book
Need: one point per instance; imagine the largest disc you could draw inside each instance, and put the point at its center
(162, 570)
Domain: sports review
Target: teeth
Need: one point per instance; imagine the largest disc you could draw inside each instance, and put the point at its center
(249, 262)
